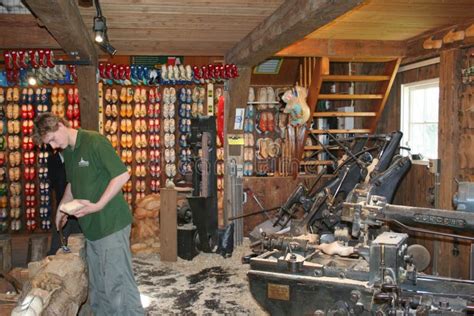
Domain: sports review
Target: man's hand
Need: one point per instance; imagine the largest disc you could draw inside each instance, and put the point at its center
(61, 219)
(88, 208)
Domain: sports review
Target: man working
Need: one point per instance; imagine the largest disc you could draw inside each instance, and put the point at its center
(95, 176)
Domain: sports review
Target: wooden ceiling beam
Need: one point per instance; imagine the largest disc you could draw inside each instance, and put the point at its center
(290, 22)
(344, 48)
(21, 31)
(63, 20)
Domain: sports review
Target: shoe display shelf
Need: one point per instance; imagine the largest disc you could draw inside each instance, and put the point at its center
(264, 132)
(25, 193)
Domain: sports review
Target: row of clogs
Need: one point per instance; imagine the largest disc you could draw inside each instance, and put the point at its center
(155, 170)
(169, 140)
(140, 186)
(155, 185)
(44, 212)
(155, 156)
(24, 59)
(15, 212)
(46, 224)
(15, 225)
(31, 225)
(126, 155)
(154, 140)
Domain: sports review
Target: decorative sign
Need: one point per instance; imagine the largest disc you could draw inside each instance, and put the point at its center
(235, 140)
(210, 99)
(278, 292)
(157, 61)
(239, 118)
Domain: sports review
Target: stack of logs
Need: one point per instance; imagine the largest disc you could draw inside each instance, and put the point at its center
(145, 228)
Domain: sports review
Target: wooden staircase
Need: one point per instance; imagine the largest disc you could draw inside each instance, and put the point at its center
(366, 95)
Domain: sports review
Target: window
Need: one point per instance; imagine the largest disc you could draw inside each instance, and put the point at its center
(419, 117)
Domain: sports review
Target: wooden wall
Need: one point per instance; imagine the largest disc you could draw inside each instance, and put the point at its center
(390, 120)
(271, 192)
(456, 132)
(466, 122)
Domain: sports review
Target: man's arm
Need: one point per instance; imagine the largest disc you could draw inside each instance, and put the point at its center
(61, 218)
(115, 185)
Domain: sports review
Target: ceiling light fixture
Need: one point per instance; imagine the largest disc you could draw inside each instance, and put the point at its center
(100, 31)
(32, 81)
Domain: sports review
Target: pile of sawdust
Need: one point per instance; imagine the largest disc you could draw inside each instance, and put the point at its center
(209, 284)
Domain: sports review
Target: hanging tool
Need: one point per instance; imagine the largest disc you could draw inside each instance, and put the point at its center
(63, 240)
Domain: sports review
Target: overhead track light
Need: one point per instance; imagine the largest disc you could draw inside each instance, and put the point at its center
(100, 31)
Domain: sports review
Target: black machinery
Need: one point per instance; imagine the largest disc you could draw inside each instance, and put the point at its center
(342, 259)
(366, 270)
(197, 223)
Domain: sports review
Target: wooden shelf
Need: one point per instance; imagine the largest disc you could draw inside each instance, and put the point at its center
(340, 131)
(354, 78)
(344, 114)
(316, 162)
(350, 96)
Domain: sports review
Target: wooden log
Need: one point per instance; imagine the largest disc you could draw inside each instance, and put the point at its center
(168, 226)
(58, 284)
(5, 254)
(37, 248)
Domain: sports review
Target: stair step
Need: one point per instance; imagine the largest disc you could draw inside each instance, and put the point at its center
(318, 147)
(361, 59)
(350, 96)
(354, 78)
(343, 114)
(340, 131)
(316, 162)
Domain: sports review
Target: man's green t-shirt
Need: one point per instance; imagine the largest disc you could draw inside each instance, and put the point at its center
(90, 166)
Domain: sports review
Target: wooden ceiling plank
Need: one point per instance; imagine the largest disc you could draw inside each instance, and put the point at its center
(166, 34)
(22, 31)
(26, 37)
(343, 48)
(291, 21)
(64, 22)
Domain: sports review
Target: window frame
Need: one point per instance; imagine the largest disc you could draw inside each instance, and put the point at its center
(405, 90)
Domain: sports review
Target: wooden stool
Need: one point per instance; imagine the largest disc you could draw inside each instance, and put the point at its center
(5, 253)
(37, 248)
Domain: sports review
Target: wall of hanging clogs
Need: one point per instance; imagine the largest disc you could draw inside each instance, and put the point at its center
(145, 113)
(25, 193)
(150, 126)
(264, 132)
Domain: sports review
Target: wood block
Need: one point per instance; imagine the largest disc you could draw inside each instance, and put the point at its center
(324, 66)
(5, 254)
(168, 225)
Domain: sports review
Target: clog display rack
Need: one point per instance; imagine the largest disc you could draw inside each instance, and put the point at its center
(146, 114)
(264, 132)
(25, 190)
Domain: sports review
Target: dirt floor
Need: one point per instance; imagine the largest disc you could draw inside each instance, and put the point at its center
(207, 285)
